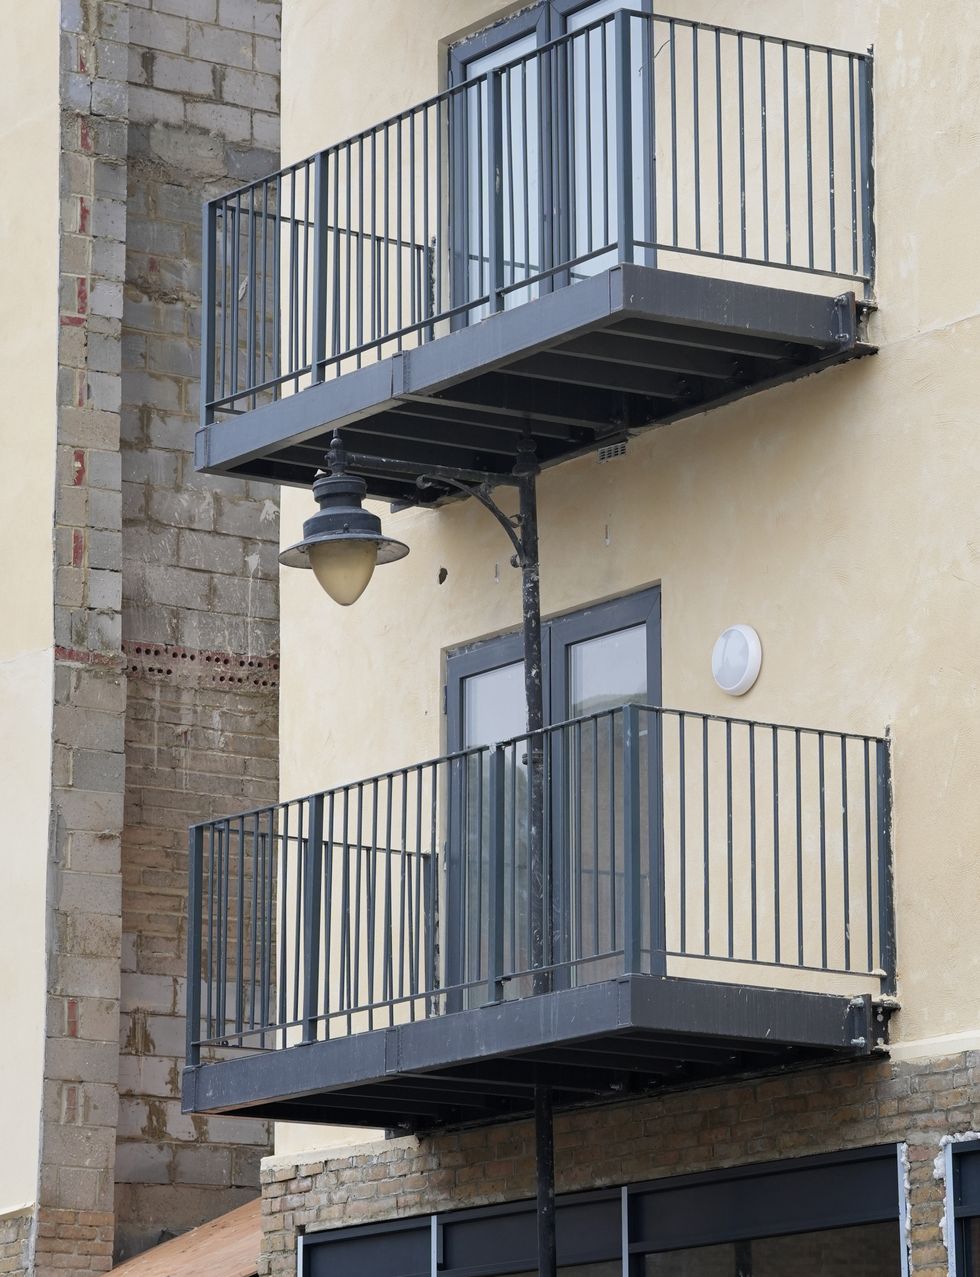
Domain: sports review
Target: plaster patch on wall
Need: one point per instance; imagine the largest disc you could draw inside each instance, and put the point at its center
(939, 1173)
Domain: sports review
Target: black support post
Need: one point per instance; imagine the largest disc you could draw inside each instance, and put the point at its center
(544, 1141)
(538, 875)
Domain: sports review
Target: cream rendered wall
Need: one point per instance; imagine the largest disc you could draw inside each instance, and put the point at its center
(838, 515)
(29, 151)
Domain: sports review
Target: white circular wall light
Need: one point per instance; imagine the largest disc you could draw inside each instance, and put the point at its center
(736, 659)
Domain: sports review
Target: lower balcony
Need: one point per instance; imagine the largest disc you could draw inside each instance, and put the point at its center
(705, 896)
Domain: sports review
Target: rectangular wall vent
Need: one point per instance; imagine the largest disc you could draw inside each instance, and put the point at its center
(611, 451)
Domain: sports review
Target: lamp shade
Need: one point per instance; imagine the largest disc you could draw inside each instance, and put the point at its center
(343, 542)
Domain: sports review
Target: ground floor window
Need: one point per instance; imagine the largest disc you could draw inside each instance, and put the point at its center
(805, 1217)
(963, 1177)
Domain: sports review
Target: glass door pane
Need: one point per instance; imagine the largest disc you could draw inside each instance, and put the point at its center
(593, 198)
(520, 170)
(604, 673)
(493, 710)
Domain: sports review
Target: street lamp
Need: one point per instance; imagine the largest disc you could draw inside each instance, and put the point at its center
(343, 542)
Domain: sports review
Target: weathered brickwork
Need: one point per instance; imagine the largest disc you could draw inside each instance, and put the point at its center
(16, 1232)
(199, 743)
(200, 602)
(820, 1110)
(74, 1225)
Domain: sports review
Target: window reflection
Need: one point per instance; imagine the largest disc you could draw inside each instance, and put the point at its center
(867, 1250)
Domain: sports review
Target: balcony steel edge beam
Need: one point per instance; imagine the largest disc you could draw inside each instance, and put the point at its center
(694, 1009)
(827, 324)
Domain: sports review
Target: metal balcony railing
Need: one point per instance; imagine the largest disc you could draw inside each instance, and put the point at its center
(674, 843)
(637, 139)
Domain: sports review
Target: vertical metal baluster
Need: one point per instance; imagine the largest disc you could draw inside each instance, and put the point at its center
(612, 818)
(731, 838)
(277, 289)
(264, 311)
(328, 905)
(831, 160)
(799, 849)
(571, 216)
(509, 177)
(741, 143)
(360, 905)
(441, 214)
(427, 302)
(345, 992)
(253, 946)
(347, 303)
(625, 237)
(432, 878)
(632, 895)
(787, 173)
(212, 904)
(240, 934)
(604, 64)
(753, 869)
(868, 869)
(719, 146)
(283, 888)
(682, 826)
(852, 138)
(293, 346)
(673, 121)
(360, 249)
(321, 219)
(371, 875)
(589, 211)
(526, 138)
(596, 867)
(576, 790)
(192, 1048)
(706, 835)
(658, 845)
(482, 283)
(776, 883)
(227, 288)
(375, 259)
(845, 834)
(696, 114)
(410, 246)
(250, 297)
(224, 939)
(809, 155)
(399, 232)
(305, 351)
(823, 848)
(648, 98)
(481, 860)
(235, 287)
(514, 919)
(299, 937)
(416, 971)
(404, 922)
(495, 934)
(388, 974)
(312, 901)
(765, 148)
(270, 920)
(494, 178)
(209, 231)
(386, 240)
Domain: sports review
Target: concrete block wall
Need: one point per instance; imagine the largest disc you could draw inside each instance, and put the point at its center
(199, 585)
(814, 1110)
(74, 1224)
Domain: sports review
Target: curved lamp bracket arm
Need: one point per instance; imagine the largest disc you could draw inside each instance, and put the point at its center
(482, 493)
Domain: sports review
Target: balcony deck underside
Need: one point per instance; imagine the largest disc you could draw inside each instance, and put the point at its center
(586, 365)
(630, 1034)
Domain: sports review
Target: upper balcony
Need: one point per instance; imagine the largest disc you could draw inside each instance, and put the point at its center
(713, 896)
(640, 220)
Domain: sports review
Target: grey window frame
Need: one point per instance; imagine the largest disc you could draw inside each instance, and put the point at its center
(871, 1174)
(962, 1203)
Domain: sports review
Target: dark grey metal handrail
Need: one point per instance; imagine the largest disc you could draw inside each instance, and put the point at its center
(637, 137)
(671, 836)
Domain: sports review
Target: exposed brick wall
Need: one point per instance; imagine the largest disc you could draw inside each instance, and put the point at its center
(819, 1110)
(16, 1231)
(200, 603)
(74, 1220)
